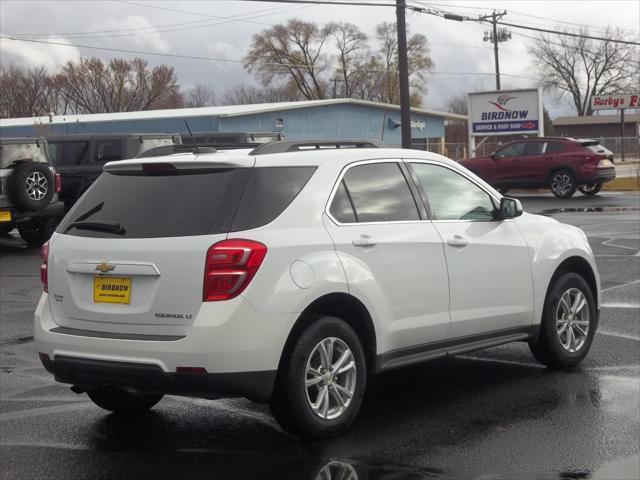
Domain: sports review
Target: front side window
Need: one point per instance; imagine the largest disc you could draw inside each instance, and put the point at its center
(513, 150)
(452, 196)
(379, 193)
(68, 153)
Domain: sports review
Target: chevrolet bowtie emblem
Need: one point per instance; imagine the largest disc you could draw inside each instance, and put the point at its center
(105, 267)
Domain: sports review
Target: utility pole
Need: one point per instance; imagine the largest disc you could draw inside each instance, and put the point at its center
(403, 67)
(496, 36)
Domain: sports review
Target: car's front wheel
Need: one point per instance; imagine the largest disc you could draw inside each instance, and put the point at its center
(122, 402)
(562, 184)
(321, 380)
(569, 323)
(590, 189)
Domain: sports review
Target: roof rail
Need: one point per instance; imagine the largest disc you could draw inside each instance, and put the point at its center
(306, 145)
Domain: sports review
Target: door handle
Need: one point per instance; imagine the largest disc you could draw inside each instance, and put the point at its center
(457, 241)
(364, 241)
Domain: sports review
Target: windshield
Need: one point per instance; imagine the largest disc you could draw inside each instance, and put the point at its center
(12, 152)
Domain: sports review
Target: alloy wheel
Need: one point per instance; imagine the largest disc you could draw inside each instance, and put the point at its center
(561, 184)
(330, 378)
(37, 186)
(572, 320)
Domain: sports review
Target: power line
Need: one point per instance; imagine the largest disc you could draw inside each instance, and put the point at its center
(578, 35)
(153, 28)
(227, 60)
(451, 16)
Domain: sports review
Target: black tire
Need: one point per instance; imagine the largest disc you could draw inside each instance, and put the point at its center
(31, 185)
(37, 231)
(562, 184)
(121, 402)
(590, 189)
(290, 402)
(548, 348)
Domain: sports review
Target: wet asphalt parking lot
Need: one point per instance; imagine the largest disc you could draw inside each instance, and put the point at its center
(489, 415)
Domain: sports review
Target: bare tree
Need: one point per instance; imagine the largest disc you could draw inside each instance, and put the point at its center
(200, 96)
(457, 104)
(387, 57)
(247, 94)
(295, 54)
(352, 47)
(292, 53)
(581, 68)
(26, 92)
(91, 86)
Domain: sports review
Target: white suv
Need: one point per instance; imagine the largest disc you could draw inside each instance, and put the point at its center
(290, 277)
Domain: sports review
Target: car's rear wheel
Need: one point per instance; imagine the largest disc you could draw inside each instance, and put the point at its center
(321, 380)
(562, 184)
(569, 322)
(122, 402)
(37, 231)
(590, 189)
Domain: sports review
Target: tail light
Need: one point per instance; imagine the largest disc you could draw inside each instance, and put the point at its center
(605, 163)
(57, 182)
(44, 268)
(230, 267)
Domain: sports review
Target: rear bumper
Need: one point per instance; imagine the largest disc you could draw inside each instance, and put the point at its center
(89, 373)
(238, 347)
(601, 176)
(54, 209)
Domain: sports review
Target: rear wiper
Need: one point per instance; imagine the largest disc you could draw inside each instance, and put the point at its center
(107, 226)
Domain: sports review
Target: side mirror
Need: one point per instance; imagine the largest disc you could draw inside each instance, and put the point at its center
(510, 208)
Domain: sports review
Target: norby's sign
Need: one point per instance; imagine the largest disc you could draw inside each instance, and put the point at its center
(615, 102)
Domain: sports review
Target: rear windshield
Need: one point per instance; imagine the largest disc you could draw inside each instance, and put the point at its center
(13, 152)
(120, 205)
(597, 148)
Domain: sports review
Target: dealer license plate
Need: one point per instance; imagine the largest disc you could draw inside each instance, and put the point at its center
(112, 290)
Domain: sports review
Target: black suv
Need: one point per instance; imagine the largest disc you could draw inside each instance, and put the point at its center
(28, 190)
(79, 158)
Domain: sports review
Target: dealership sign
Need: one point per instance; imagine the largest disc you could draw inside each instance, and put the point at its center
(615, 102)
(505, 112)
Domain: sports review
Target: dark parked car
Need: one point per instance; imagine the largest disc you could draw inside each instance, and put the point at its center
(561, 164)
(28, 190)
(79, 158)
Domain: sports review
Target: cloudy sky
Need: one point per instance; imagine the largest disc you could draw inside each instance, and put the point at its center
(221, 31)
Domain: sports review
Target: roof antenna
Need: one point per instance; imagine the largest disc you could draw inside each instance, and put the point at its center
(195, 144)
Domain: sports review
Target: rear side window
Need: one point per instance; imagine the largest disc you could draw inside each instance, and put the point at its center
(13, 152)
(269, 191)
(533, 148)
(68, 153)
(380, 193)
(555, 147)
(341, 207)
(110, 150)
(152, 206)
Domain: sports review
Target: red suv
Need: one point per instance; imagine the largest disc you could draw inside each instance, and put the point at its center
(561, 164)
